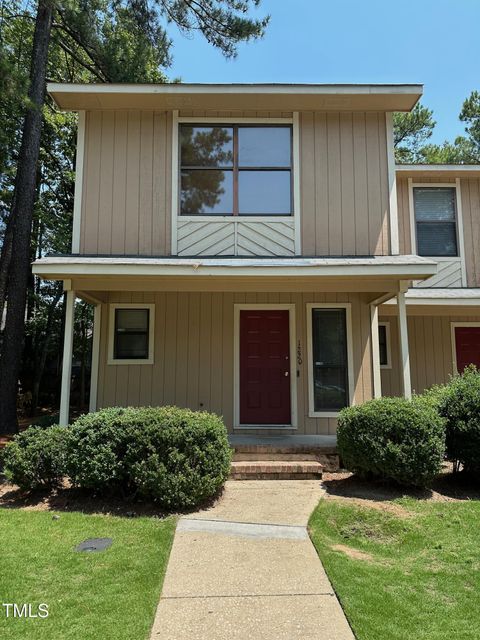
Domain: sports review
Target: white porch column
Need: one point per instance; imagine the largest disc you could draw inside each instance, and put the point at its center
(97, 318)
(67, 359)
(377, 378)
(404, 350)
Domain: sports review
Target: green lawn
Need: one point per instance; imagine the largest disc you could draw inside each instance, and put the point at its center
(421, 577)
(107, 595)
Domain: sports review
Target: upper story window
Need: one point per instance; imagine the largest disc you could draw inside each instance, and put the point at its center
(231, 170)
(436, 221)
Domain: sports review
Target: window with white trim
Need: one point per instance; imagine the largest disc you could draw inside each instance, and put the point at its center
(384, 345)
(131, 334)
(329, 359)
(235, 170)
(436, 221)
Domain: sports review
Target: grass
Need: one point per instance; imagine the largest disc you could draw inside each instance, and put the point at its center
(108, 595)
(418, 573)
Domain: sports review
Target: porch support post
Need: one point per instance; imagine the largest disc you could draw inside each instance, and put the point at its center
(67, 359)
(404, 350)
(377, 378)
(97, 319)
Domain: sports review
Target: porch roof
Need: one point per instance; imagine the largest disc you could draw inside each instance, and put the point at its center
(405, 267)
(441, 296)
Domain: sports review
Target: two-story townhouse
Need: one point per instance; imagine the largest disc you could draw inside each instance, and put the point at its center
(252, 250)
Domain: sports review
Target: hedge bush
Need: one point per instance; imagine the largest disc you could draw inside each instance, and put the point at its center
(36, 457)
(175, 456)
(460, 407)
(392, 438)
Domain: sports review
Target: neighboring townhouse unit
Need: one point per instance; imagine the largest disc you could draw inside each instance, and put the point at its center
(252, 250)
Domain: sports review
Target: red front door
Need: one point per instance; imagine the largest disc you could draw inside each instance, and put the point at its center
(264, 367)
(467, 345)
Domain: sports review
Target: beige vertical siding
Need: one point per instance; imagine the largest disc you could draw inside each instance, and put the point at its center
(126, 206)
(127, 183)
(344, 184)
(470, 201)
(194, 347)
(431, 356)
(470, 194)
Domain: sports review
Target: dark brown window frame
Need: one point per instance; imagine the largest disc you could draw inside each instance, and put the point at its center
(235, 169)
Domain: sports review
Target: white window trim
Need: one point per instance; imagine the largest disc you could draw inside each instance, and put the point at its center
(386, 324)
(111, 332)
(78, 192)
(460, 237)
(294, 121)
(351, 388)
(236, 366)
(453, 326)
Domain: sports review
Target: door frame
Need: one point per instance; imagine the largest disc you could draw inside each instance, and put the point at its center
(453, 326)
(236, 365)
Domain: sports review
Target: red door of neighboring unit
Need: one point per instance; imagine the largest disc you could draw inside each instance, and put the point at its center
(264, 367)
(467, 345)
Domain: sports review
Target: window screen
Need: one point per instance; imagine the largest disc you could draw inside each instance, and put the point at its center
(131, 334)
(435, 217)
(330, 363)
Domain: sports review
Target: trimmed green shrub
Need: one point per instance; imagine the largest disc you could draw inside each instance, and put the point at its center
(392, 438)
(36, 457)
(460, 407)
(46, 421)
(176, 457)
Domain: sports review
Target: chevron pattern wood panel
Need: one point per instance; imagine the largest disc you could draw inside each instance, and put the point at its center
(449, 274)
(266, 238)
(235, 238)
(205, 238)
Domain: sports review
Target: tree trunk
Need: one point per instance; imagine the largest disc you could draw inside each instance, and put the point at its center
(21, 217)
(40, 361)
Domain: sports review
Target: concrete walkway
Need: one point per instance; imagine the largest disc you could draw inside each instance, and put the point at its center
(246, 569)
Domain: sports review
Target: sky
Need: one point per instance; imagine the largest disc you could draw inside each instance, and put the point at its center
(434, 42)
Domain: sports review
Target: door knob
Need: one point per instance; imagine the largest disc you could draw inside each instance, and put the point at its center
(286, 373)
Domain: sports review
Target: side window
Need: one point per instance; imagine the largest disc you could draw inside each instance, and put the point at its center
(384, 345)
(436, 221)
(131, 334)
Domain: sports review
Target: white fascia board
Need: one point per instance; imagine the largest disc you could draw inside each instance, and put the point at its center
(151, 268)
(272, 89)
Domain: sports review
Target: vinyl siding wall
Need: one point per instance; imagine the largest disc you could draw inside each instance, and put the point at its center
(194, 346)
(126, 203)
(431, 356)
(470, 200)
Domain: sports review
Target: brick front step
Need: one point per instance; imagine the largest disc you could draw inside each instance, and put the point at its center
(276, 470)
(240, 456)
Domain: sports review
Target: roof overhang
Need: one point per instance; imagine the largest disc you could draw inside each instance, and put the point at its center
(438, 170)
(381, 267)
(441, 297)
(279, 97)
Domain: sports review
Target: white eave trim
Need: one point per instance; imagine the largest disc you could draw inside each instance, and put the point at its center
(441, 297)
(405, 267)
(438, 170)
(213, 89)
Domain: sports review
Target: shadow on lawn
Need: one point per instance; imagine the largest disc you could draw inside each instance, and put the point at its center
(70, 499)
(447, 487)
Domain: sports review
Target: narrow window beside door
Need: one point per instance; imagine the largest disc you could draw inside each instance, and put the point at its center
(329, 359)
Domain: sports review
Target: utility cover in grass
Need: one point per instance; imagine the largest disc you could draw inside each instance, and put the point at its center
(94, 544)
